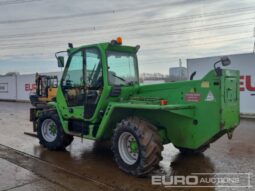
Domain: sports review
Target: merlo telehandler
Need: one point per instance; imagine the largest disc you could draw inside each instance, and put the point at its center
(99, 98)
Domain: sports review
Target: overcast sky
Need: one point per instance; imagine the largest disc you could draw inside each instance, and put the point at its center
(31, 31)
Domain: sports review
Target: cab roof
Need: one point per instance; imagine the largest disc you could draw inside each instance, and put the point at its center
(108, 46)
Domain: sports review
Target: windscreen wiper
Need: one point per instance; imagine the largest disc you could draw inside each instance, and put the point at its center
(122, 79)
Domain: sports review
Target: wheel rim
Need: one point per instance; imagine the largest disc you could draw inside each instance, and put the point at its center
(49, 130)
(128, 148)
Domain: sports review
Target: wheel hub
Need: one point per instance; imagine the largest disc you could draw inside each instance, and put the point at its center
(128, 148)
(49, 130)
(53, 129)
(134, 146)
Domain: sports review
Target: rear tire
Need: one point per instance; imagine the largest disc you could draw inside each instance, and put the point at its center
(50, 132)
(136, 146)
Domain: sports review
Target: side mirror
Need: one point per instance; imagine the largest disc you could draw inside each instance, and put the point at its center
(225, 61)
(61, 61)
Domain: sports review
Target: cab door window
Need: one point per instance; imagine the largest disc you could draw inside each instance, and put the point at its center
(93, 69)
(73, 80)
(93, 80)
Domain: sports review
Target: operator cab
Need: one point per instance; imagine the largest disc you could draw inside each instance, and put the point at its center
(82, 80)
(91, 69)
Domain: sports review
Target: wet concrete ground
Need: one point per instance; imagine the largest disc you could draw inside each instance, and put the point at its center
(89, 166)
(16, 178)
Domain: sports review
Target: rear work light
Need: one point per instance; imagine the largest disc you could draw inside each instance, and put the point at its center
(163, 102)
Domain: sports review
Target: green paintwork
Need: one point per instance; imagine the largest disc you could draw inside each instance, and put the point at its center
(186, 124)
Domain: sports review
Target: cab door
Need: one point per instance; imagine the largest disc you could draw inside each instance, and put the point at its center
(73, 86)
(82, 83)
(93, 81)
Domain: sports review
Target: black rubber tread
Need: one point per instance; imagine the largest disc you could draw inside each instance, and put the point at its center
(62, 140)
(150, 146)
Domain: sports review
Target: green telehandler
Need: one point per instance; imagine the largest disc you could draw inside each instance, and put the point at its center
(99, 98)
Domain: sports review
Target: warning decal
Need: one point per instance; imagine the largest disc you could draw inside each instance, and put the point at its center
(210, 97)
(192, 97)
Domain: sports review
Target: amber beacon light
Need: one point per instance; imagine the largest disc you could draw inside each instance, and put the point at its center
(119, 40)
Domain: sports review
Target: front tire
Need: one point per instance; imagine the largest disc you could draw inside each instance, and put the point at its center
(50, 132)
(137, 146)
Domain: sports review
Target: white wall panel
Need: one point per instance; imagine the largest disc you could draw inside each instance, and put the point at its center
(8, 88)
(26, 85)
